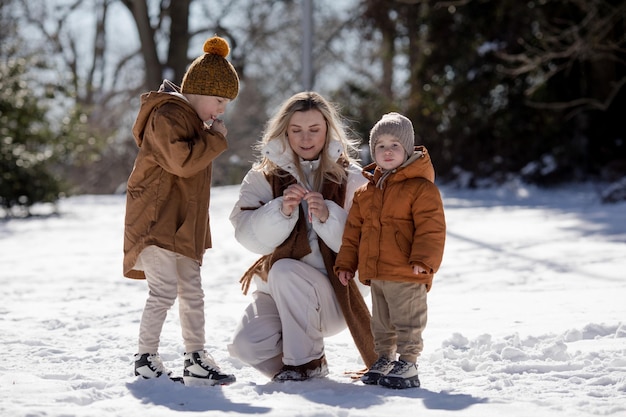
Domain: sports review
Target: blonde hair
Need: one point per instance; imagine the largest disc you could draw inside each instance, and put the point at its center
(276, 129)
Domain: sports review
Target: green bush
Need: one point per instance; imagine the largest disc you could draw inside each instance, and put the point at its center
(27, 149)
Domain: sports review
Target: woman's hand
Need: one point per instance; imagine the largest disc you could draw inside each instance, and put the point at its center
(345, 277)
(317, 205)
(292, 196)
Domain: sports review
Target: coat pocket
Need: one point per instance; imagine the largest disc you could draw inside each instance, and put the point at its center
(188, 235)
(403, 240)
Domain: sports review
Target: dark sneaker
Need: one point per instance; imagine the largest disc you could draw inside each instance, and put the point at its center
(402, 375)
(380, 368)
(150, 365)
(201, 369)
(317, 368)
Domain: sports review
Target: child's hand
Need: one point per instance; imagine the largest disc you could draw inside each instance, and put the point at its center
(219, 127)
(418, 270)
(292, 196)
(345, 277)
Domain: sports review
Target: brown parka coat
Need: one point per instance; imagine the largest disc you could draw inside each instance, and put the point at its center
(396, 225)
(168, 192)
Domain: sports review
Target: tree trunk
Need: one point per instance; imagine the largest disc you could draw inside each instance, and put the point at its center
(179, 40)
(154, 69)
(418, 43)
(388, 52)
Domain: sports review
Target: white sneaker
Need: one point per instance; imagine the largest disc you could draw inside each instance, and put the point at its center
(201, 369)
(380, 368)
(150, 365)
(402, 375)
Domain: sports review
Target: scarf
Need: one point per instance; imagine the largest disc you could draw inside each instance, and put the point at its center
(380, 183)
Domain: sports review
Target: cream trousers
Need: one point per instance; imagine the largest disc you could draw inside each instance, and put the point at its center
(169, 275)
(288, 318)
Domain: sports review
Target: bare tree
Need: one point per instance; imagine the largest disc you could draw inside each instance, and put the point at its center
(174, 15)
(102, 70)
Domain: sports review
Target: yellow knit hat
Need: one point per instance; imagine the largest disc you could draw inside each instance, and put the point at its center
(211, 74)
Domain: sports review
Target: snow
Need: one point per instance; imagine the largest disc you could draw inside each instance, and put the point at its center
(526, 317)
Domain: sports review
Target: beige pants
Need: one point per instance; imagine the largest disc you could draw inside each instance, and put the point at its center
(288, 318)
(169, 275)
(399, 313)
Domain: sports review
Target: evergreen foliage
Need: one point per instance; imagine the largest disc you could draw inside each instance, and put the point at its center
(26, 149)
(501, 89)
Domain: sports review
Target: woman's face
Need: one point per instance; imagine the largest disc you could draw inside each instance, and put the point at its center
(306, 133)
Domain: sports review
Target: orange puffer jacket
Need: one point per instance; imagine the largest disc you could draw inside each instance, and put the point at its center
(392, 228)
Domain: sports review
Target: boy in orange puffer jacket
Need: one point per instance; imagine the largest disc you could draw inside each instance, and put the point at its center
(394, 236)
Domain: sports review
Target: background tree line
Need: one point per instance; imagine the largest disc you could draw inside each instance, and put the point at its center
(496, 89)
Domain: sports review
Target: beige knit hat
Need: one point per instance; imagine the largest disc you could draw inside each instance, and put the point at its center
(396, 125)
(211, 74)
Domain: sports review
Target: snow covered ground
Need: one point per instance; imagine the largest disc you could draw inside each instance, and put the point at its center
(527, 317)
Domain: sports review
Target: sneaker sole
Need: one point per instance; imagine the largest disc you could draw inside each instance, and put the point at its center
(300, 378)
(192, 381)
(396, 382)
(371, 379)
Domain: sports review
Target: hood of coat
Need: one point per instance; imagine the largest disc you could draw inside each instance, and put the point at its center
(168, 91)
(279, 152)
(418, 165)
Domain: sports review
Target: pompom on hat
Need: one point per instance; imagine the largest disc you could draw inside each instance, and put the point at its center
(396, 125)
(211, 74)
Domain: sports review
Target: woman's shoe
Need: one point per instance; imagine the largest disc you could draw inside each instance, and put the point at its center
(317, 368)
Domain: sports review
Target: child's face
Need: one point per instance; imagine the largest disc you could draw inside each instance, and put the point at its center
(389, 152)
(306, 133)
(208, 107)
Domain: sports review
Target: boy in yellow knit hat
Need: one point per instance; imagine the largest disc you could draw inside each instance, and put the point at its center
(166, 233)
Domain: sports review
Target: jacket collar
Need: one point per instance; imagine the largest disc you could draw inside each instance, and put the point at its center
(279, 152)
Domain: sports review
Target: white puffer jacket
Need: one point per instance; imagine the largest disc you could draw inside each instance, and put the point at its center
(264, 229)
